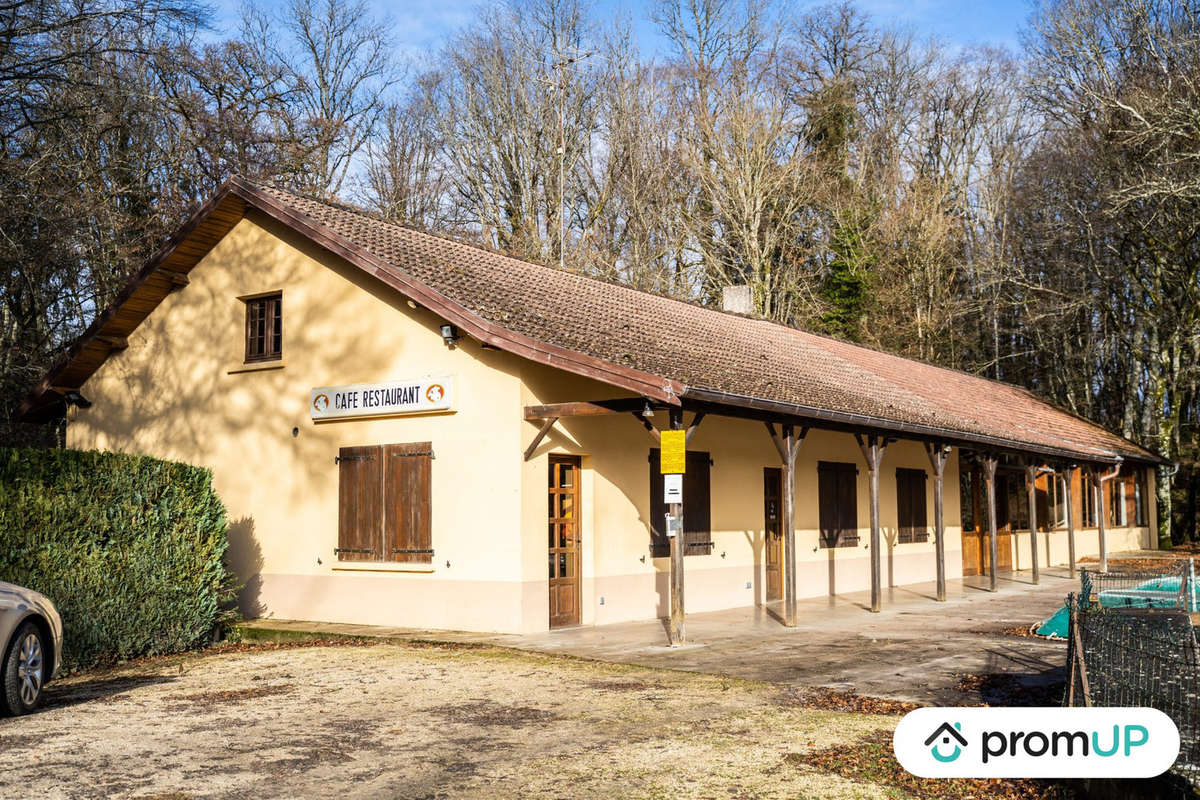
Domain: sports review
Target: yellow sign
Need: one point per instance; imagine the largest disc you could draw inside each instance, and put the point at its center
(674, 452)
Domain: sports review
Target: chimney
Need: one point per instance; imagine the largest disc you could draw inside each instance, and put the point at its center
(738, 299)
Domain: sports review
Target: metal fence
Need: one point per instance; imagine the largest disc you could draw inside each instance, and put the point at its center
(1172, 586)
(1131, 642)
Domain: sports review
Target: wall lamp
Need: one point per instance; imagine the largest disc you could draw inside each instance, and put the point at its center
(450, 335)
(647, 410)
(73, 398)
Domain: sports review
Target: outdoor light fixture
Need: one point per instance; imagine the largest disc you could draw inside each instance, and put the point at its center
(647, 410)
(74, 398)
(449, 335)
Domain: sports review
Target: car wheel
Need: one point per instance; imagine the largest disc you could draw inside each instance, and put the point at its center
(24, 670)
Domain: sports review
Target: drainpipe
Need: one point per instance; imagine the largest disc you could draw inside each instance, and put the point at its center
(1101, 510)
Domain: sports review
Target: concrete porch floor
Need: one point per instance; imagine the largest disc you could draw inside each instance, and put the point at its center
(916, 649)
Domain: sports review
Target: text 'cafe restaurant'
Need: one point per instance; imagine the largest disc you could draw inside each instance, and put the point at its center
(411, 431)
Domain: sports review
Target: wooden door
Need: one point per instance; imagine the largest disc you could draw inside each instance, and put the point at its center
(773, 529)
(564, 541)
(977, 549)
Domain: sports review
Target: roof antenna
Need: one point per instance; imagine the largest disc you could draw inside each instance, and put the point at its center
(562, 61)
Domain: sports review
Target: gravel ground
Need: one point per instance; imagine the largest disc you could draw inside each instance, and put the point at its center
(412, 721)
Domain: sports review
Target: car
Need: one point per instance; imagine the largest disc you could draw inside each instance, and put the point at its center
(31, 635)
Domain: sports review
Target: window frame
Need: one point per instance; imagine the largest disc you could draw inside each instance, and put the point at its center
(1140, 515)
(1087, 502)
(271, 304)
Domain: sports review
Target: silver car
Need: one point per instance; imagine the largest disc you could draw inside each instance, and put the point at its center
(31, 638)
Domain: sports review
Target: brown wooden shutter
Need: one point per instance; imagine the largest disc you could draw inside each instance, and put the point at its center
(837, 498)
(359, 489)
(848, 505)
(660, 545)
(407, 528)
(911, 513)
(697, 505)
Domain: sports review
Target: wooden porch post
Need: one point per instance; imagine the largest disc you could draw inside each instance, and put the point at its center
(1070, 476)
(989, 479)
(938, 453)
(1100, 527)
(872, 450)
(788, 446)
(1031, 471)
(678, 635)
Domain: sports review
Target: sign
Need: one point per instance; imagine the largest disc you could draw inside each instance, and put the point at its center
(673, 452)
(672, 488)
(1050, 742)
(390, 398)
(674, 525)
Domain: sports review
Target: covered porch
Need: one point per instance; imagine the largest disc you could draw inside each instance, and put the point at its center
(997, 463)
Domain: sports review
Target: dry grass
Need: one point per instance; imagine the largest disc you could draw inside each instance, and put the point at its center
(370, 720)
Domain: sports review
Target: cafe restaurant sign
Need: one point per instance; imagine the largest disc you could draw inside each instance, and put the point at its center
(390, 398)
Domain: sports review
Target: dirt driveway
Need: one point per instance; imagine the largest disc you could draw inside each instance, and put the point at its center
(411, 721)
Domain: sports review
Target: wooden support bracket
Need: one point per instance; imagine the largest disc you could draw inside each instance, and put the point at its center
(541, 434)
(650, 429)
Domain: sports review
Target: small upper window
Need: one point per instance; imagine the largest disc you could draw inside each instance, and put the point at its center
(264, 328)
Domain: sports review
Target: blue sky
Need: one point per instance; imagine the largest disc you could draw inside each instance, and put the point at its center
(422, 25)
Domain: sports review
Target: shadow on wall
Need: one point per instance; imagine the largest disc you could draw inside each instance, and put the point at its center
(245, 560)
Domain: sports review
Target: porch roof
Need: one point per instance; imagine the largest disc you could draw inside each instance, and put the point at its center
(661, 348)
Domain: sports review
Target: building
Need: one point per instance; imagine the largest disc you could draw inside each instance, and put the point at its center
(412, 431)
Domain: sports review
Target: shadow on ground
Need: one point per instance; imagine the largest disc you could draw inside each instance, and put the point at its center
(98, 689)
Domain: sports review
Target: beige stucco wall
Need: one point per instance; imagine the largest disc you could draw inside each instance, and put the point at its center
(175, 392)
(180, 391)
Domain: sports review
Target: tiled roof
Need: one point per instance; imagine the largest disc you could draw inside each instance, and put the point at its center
(704, 349)
(692, 351)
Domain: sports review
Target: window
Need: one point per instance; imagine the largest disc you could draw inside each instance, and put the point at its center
(1058, 501)
(911, 505)
(1139, 498)
(1116, 501)
(837, 489)
(264, 328)
(384, 503)
(967, 484)
(1018, 501)
(697, 511)
(1088, 501)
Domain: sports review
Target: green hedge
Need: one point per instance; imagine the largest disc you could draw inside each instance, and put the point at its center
(129, 548)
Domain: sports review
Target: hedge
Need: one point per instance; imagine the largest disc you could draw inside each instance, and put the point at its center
(129, 548)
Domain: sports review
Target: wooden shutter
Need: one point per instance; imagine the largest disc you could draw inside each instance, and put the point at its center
(359, 488)
(660, 545)
(848, 505)
(697, 506)
(837, 498)
(912, 522)
(406, 502)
